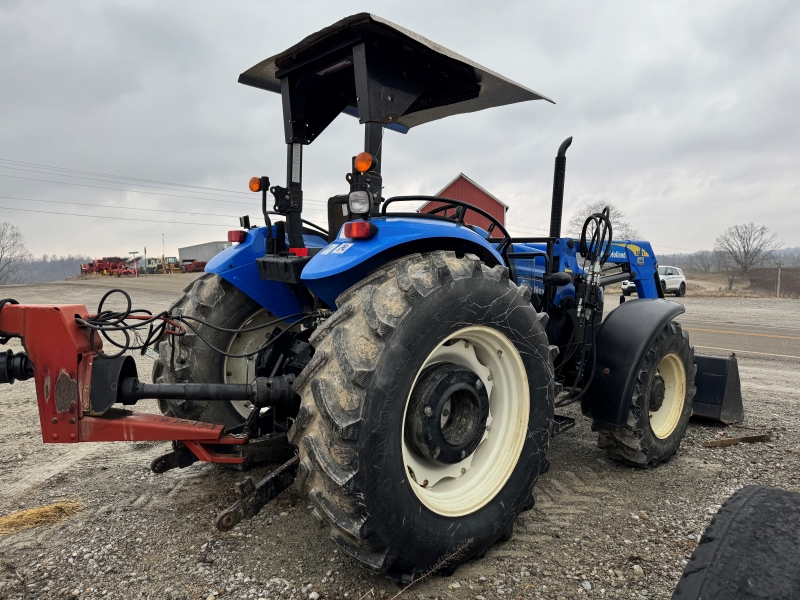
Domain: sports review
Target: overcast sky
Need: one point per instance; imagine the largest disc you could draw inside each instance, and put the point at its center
(684, 114)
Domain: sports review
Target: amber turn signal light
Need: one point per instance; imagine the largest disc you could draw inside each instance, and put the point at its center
(255, 184)
(363, 162)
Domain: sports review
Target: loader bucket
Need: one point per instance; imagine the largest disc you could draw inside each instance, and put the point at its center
(719, 391)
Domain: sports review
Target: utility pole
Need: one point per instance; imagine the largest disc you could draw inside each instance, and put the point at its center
(145, 260)
(779, 264)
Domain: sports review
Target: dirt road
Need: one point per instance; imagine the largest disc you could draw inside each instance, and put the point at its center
(598, 529)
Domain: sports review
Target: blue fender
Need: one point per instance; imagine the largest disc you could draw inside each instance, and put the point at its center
(345, 262)
(237, 265)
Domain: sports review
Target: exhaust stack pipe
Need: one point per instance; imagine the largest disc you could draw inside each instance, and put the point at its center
(558, 188)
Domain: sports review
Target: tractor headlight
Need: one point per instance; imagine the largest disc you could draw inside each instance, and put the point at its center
(359, 202)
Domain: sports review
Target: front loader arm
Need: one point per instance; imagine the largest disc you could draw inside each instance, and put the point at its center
(639, 260)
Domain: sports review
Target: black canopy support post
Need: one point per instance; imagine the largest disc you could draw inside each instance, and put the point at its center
(373, 143)
(558, 188)
(293, 206)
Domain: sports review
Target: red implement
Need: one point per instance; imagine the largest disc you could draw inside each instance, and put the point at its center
(62, 356)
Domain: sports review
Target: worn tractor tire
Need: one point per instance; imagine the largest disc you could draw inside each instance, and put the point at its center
(356, 390)
(647, 440)
(751, 549)
(211, 298)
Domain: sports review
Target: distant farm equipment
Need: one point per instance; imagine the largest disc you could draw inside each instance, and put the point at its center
(168, 264)
(119, 267)
(110, 265)
(190, 265)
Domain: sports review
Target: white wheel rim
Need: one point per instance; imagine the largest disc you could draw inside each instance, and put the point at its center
(242, 370)
(462, 488)
(664, 421)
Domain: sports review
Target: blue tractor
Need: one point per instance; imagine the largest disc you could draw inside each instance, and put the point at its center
(425, 357)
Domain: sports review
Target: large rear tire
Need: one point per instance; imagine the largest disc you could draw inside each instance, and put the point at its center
(394, 501)
(211, 298)
(661, 404)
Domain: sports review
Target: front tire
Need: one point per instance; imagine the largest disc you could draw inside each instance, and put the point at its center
(388, 503)
(661, 404)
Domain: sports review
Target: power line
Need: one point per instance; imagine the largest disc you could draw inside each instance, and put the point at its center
(139, 191)
(527, 228)
(172, 189)
(182, 212)
(19, 162)
(51, 212)
(135, 179)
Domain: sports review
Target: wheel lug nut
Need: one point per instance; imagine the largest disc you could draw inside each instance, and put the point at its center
(463, 470)
(428, 411)
(445, 413)
(463, 455)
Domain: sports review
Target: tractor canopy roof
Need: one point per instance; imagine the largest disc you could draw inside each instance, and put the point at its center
(380, 72)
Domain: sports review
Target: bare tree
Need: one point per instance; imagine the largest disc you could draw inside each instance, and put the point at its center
(622, 230)
(13, 252)
(702, 261)
(745, 246)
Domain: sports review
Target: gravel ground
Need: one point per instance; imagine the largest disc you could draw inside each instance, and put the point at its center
(598, 529)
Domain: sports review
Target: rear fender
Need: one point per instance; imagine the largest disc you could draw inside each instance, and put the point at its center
(237, 265)
(345, 262)
(622, 341)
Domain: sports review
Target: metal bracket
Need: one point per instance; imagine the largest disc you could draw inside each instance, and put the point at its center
(561, 424)
(254, 497)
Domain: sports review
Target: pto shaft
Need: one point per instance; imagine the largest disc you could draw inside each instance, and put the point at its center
(264, 391)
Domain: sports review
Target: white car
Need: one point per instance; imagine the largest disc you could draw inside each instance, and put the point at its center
(672, 281)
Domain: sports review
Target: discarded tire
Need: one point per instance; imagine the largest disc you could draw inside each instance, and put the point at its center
(661, 403)
(751, 549)
(409, 476)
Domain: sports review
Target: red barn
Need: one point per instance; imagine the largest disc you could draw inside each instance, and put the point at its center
(464, 189)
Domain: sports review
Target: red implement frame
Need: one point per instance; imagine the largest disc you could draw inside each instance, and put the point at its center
(62, 357)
